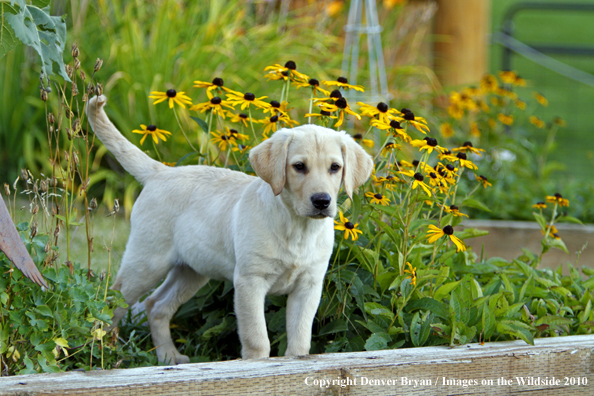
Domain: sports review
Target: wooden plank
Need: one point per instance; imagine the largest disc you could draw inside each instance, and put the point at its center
(467, 370)
(461, 42)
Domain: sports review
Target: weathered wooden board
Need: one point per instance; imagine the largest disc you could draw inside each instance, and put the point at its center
(554, 366)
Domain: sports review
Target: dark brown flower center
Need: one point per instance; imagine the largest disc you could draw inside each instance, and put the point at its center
(217, 81)
(483, 177)
(378, 196)
(453, 207)
(335, 94)
(418, 176)
(415, 163)
(151, 128)
(467, 144)
(450, 167)
(431, 141)
(233, 132)
(341, 103)
(243, 115)
(433, 175)
(274, 118)
(381, 106)
(405, 110)
(342, 80)
(395, 124)
(274, 104)
(448, 230)
(557, 195)
(409, 116)
(171, 93)
(249, 96)
(291, 65)
(325, 113)
(357, 136)
(348, 225)
(313, 82)
(216, 100)
(462, 156)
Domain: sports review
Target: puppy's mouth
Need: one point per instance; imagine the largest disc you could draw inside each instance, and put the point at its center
(322, 214)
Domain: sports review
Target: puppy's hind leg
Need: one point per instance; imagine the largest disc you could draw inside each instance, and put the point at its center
(181, 284)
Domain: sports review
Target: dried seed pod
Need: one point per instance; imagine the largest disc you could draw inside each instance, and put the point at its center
(74, 50)
(98, 64)
(53, 182)
(6, 189)
(66, 155)
(93, 204)
(33, 230)
(116, 205)
(35, 209)
(69, 71)
(24, 174)
(69, 133)
(57, 232)
(74, 89)
(43, 95)
(47, 247)
(83, 76)
(51, 119)
(90, 89)
(99, 89)
(102, 275)
(76, 64)
(75, 158)
(35, 187)
(76, 125)
(85, 98)
(43, 185)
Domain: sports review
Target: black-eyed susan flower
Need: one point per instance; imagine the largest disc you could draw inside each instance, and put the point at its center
(540, 99)
(558, 198)
(277, 108)
(464, 162)
(454, 210)
(365, 142)
(418, 181)
(246, 100)
(215, 104)
(552, 230)
(428, 144)
(540, 205)
(418, 122)
(313, 84)
(343, 82)
(468, 147)
(289, 70)
(381, 112)
(377, 198)
(342, 107)
(241, 148)
(389, 147)
(273, 123)
(559, 122)
(512, 78)
(483, 180)
(240, 118)
(389, 182)
(489, 83)
(152, 131)
(537, 122)
(322, 114)
(434, 233)
(520, 104)
(236, 134)
(446, 130)
(413, 273)
(223, 139)
(332, 98)
(447, 155)
(217, 84)
(505, 119)
(394, 127)
(435, 178)
(456, 111)
(350, 229)
(170, 164)
(173, 96)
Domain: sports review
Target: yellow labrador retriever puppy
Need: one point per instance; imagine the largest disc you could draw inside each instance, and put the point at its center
(268, 234)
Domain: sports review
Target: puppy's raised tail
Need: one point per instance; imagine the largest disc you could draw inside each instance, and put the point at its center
(137, 163)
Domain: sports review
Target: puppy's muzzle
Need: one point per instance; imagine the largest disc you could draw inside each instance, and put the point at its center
(321, 201)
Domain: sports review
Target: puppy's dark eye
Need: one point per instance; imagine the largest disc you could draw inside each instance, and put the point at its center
(334, 167)
(299, 166)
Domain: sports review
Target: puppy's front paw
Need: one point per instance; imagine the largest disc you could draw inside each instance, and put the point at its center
(97, 102)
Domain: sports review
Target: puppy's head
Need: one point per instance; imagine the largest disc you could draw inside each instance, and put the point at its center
(307, 164)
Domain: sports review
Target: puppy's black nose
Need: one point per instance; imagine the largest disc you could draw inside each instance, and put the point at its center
(321, 200)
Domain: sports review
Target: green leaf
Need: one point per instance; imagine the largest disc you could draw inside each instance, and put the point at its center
(553, 320)
(540, 220)
(45, 311)
(336, 326)
(215, 330)
(568, 219)
(471, 233)
(187, 156)
(201, 122)
(8, 39)
(373, 308)
(46, 34)
(429, 304)
(516, 329)
(488, 321)
(415, 329)
(473, 203)
(445, 289)
(558, 244)
(377, 341)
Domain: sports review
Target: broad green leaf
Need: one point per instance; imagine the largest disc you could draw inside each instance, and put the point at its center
(511, 328)
(429, 304)
(8, 40)
(473, 203)
(415, 329)
(335, 326)
(374, 309)
(553, 320)
(202, 123)
(468, 233)
(445, 289)
(377, 341)
(568, 219)
(540, 220)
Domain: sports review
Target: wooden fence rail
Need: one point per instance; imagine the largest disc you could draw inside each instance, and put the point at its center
(554, 366)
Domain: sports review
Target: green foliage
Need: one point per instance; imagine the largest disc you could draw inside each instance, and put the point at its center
(61, 328)
(32, 25)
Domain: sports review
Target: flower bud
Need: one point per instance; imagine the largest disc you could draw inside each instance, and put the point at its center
(35, 209)
(74, 89)
(33, 230)
(83, 76)
(99, 89)
(43, 95)
(43, 185)
(6, 189)
(98, 64)
(69, 71)
(74, 50)
(51, 119)
(93, 204)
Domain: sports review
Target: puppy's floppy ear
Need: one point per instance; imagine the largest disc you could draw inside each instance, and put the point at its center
(269, 159)
(358, 165)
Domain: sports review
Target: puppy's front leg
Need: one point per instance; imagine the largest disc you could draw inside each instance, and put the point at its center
(302, 305)
(250, 292)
